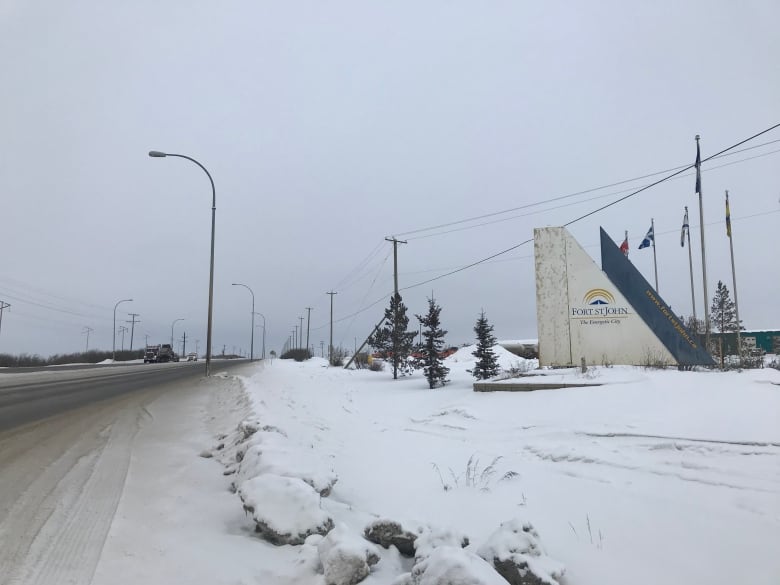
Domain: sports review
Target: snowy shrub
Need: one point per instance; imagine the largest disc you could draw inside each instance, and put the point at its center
(388, 533)
(654, 360)
(285, 510)
(474, 476)
(516, 369)
(272, 452)
(337, 356)
(454, 566)
(516, 553)
(345, 557)
(249, 427)
(431, 538)
(298, 354)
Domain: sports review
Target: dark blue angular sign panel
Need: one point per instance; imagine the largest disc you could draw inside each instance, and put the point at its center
(650, 307)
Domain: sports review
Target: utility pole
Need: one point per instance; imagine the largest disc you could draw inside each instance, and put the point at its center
(122, 330)
(308, 325)
(86, 330)
(146, 339)
(322, 349)
(3, 305)
(395, 260)
(300, 339)
(703, 254)
(295, 336)
(395, 304)
(330, 346)
(733, 276)
(132, 327)
(184, 343)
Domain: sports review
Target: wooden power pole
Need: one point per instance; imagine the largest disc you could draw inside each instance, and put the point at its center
(395, 300)
(330, 347)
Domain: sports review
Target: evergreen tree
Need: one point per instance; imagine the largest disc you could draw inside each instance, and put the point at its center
(433, 343)
(380, 341)
(693, 325)
(723, 310)
(487, 362)
(392, 341)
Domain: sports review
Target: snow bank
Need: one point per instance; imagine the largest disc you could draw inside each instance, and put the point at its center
(270, 451)
(431, 538)
(605, 473)
(286, 510)
(463, 359)
(454, 566)
(515, 551)
(346, 557)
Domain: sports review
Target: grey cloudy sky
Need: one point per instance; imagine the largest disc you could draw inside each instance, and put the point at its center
(330, 125)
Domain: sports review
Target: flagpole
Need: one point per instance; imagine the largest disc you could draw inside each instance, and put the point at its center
(703, 252)
(733, 274)
(655, 262)
(690, 264)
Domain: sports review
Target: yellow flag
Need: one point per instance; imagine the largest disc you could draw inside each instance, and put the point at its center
(728, 217)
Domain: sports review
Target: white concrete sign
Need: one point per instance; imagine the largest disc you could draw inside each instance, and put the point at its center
(581, 314)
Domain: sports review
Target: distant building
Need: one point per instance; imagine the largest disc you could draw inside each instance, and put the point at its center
(765, 339)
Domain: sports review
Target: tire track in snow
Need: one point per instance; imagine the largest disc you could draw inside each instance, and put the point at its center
(59, 495)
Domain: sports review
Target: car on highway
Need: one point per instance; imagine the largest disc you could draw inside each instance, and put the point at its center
(192, 357)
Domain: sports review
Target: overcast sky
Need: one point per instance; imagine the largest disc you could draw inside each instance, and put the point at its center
(328, 126)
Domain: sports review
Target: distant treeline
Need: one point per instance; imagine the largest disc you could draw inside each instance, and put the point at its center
(85, 357)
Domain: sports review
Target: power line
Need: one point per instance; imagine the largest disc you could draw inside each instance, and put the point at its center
(633, 193)
(593, 189)
(27, 289)
(50, 307)
(659, 181)
(580, 202)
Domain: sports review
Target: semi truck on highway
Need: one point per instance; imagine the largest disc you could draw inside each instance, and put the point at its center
(159, 353)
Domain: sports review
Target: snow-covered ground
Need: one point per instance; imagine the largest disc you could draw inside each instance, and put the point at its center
(652, 477)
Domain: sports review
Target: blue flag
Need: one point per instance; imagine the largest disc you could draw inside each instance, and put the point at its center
(649, 237)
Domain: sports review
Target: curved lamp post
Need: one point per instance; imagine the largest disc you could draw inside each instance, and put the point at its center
(172, 324)
(252, 339)
(263, 316)
(158, 154)
(113, 350)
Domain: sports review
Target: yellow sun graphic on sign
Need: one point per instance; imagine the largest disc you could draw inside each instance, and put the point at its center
(598, 296)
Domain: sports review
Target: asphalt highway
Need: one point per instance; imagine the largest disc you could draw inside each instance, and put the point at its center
(31, 394)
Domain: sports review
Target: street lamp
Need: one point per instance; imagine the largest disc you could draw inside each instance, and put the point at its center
(158, 154)
(263, 316)
(172, 324)
(252, 340)
(113, 351)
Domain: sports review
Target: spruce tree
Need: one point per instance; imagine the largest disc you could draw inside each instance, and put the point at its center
(380, 341)
(433, 343)
(723, 310)
(392, 341)
(487, 362)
